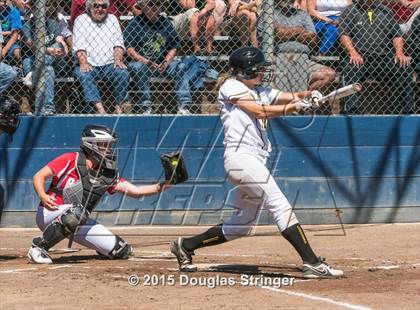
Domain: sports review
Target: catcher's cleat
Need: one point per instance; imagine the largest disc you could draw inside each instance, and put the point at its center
(184, 258)
(320, 270)
(39, 256)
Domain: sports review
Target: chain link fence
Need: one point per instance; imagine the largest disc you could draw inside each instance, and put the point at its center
(165, 56)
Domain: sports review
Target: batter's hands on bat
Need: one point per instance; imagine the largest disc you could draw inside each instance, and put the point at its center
(356, 59)
(304, 105)
(315, 98)
(403, 60)
(48, 201)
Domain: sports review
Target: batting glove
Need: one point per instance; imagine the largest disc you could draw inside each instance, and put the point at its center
(315, 98)
(303, 105)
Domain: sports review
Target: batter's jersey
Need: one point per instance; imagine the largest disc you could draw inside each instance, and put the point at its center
(65, 174)
(243, 130)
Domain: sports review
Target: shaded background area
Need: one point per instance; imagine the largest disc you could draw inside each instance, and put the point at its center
(333, 169)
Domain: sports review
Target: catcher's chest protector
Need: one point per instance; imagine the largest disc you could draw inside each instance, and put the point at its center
(94, 187)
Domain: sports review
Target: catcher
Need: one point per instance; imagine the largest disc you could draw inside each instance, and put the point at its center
(9, 119)
(79, 180)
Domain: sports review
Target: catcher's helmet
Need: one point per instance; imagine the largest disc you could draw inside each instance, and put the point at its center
(9, 118)
(98, 142)
(248, 61)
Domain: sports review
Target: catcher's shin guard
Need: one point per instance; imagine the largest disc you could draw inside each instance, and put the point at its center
(53, 234)
(73, 217)
(121, 250)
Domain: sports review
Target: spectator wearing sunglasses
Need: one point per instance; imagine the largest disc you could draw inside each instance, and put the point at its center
(99, 48)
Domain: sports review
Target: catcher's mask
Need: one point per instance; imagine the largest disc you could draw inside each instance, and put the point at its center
(248, 62)
(9, 118)
(98, 142)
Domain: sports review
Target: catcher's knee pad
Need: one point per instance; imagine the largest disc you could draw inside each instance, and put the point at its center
(53, 234)
(121, 250)
(73, 217)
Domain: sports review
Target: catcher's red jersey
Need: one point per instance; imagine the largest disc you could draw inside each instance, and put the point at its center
(65, 174)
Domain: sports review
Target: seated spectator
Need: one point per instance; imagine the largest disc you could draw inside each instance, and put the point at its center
(326, 14)
(295, 38)
(180, 13)
(249, 9)
(116, 7)
(152, 43)
(54, 49)
(11, 24)
(99, 47)
(207, 21)
(7, 73)
(375, 48)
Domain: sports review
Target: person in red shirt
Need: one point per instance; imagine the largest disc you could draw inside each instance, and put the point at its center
(116, 7)
(79, 180)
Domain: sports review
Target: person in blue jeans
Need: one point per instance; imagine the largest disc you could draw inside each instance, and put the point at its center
(7, 73)
(326, 14)
(152, 42)
(44, 100)
(99, 47)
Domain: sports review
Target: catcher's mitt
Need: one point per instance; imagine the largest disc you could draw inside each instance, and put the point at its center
(174, 167)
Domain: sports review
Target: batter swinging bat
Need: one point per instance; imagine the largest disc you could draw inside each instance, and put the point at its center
(342, 92)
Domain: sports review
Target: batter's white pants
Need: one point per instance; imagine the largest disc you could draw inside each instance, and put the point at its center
(92, 235)
(255, 189)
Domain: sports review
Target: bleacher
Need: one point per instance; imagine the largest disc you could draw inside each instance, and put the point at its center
(69, 96)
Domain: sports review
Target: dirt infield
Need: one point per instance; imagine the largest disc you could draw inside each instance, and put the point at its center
(381, 264)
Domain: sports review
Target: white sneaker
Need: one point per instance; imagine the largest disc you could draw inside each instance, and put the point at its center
(320, 270)
(39, 256)
(184, 111)
(27, 80)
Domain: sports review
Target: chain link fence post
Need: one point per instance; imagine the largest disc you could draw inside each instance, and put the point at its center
(40, 51)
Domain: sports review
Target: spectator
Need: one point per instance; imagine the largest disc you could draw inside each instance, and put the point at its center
(116, 7)
(7, 73)
(64, 65)
(11, 24)
(99, 48)
(24, 8)
(405, 11)
(375, 47)
(249, 9)
(326, 14)
(207, 20)
(152, 42)
(295, 38)
(54, 49)
(180, 13)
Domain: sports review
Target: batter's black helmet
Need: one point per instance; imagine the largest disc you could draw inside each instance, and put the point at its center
(9, 118)
(247, 62)
(98, 141)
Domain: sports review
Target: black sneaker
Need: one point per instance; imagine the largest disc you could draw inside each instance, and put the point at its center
(184, 258)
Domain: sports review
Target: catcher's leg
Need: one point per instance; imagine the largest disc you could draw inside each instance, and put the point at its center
(99, 238)
(64, 225)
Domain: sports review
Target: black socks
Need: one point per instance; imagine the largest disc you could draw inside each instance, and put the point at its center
(212, 236)
(295, 235)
